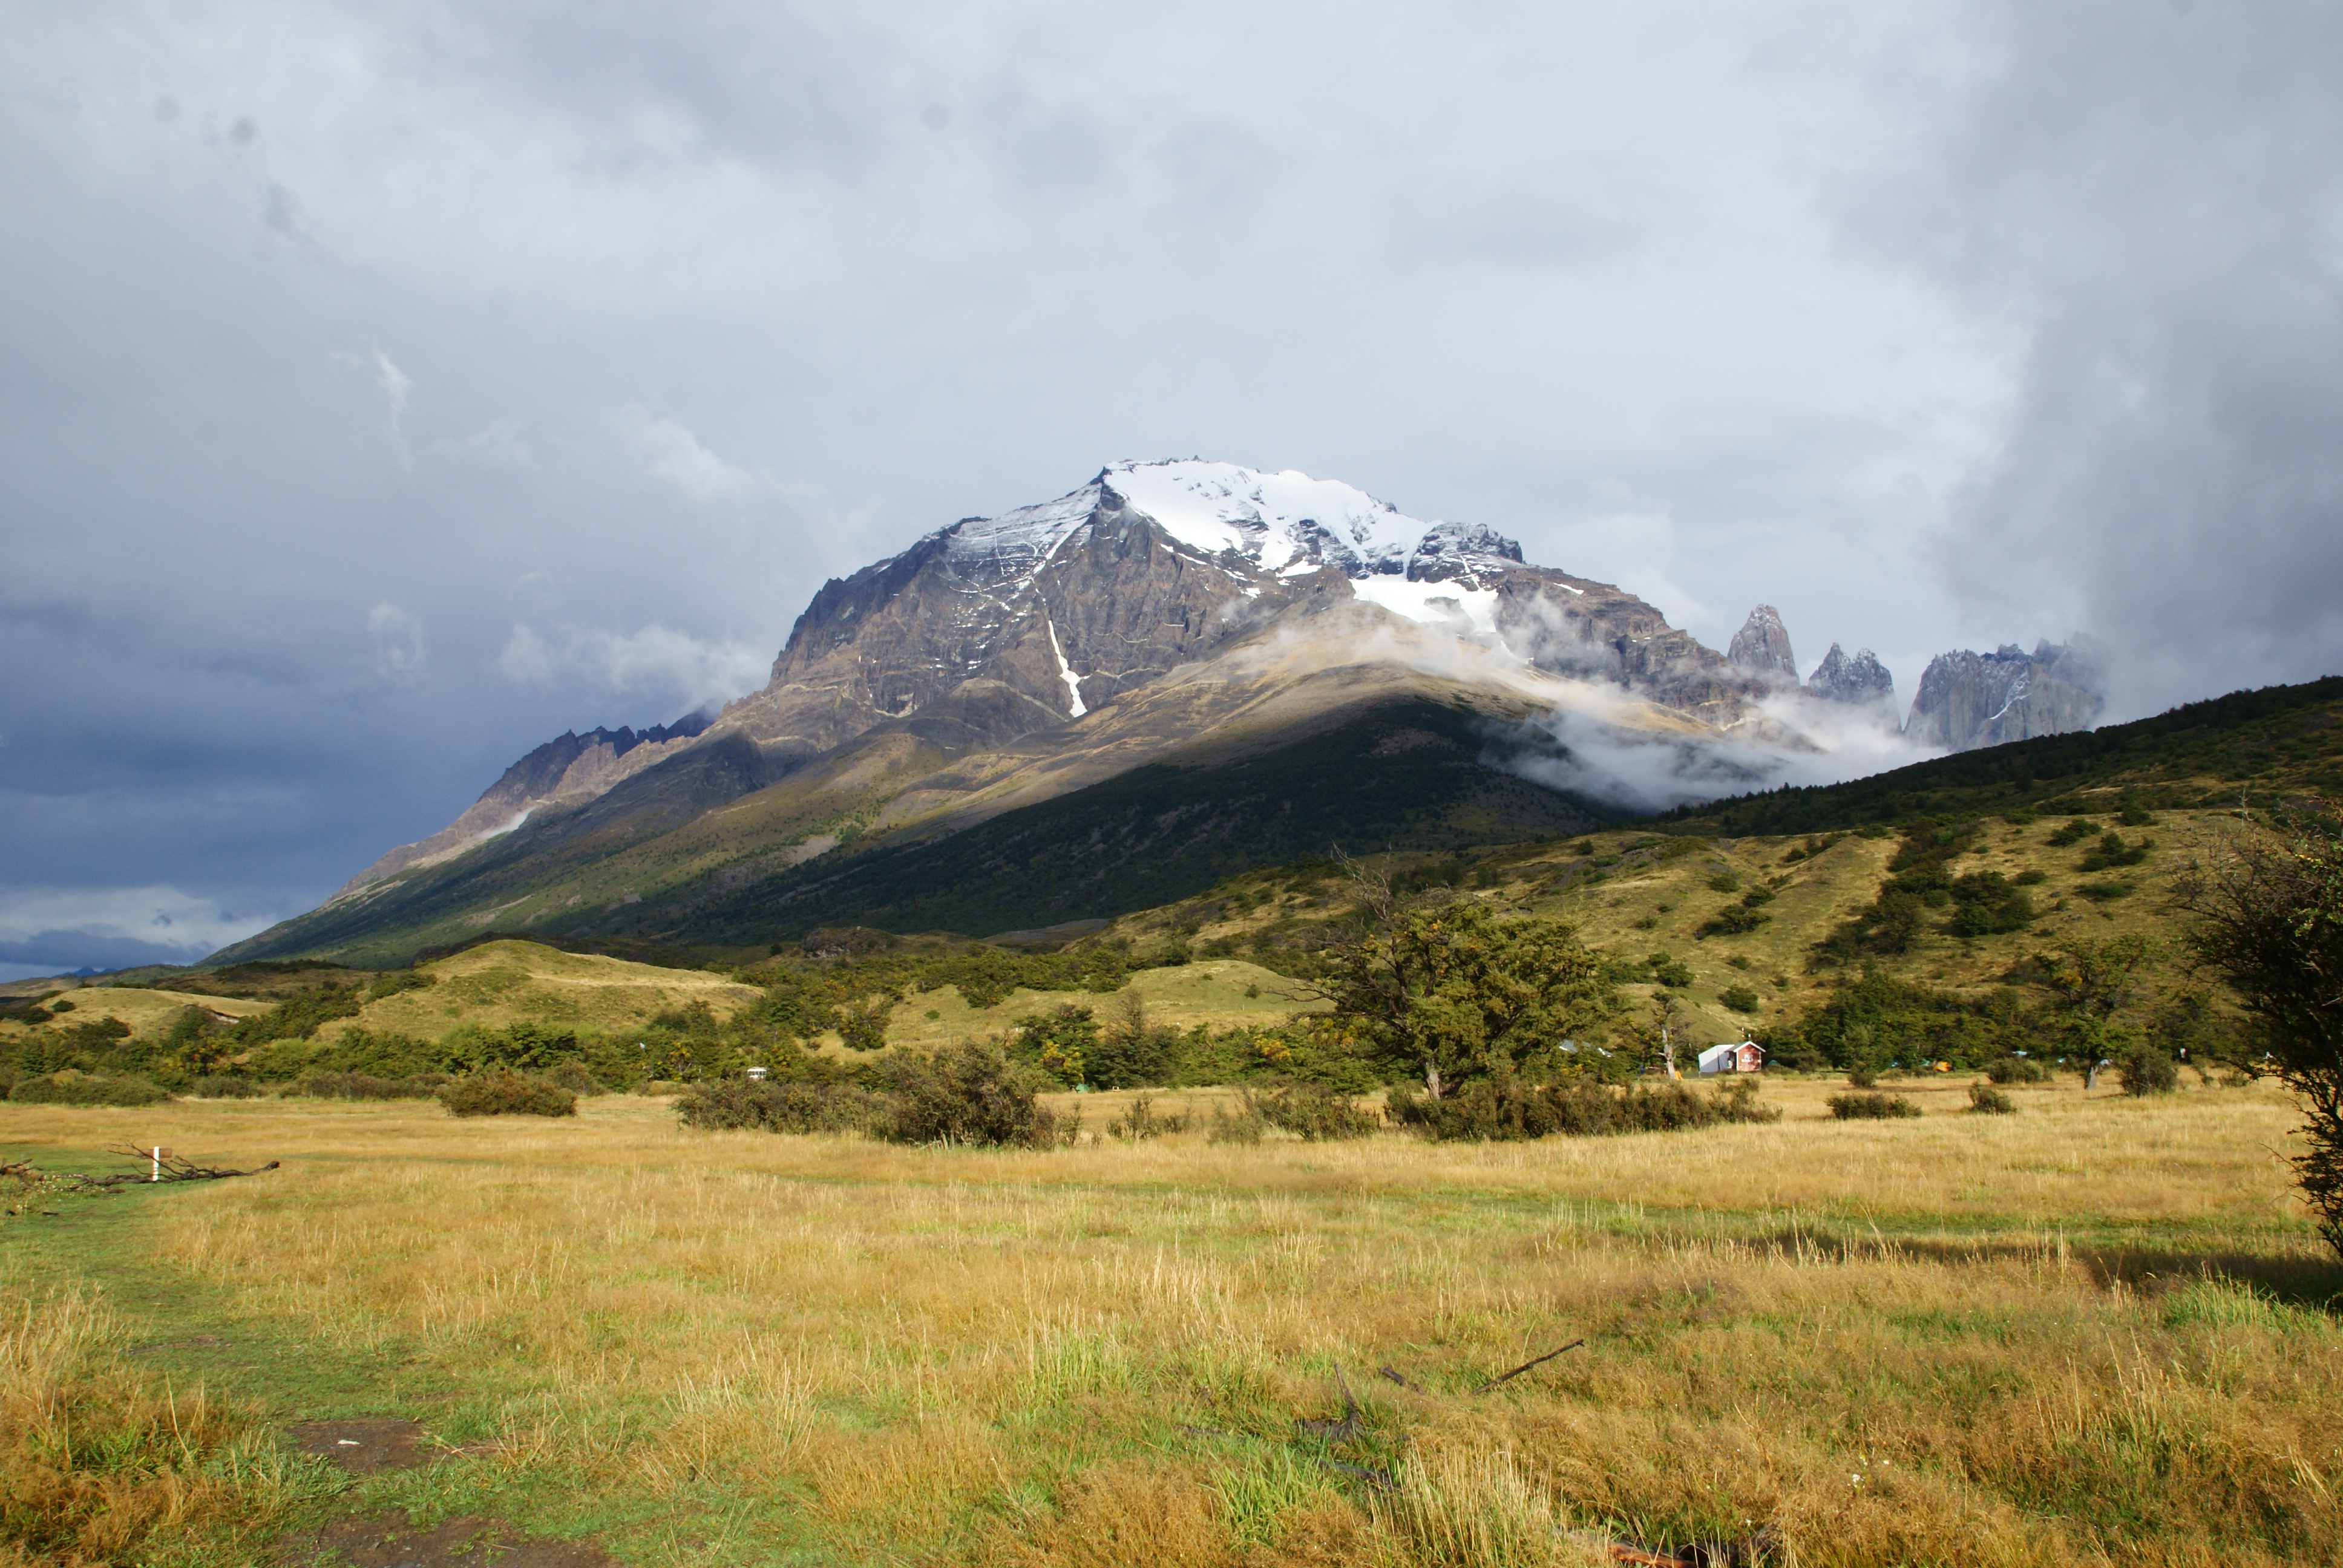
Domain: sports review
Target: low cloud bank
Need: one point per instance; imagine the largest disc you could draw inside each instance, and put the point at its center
(46, 930)
(1589, 749)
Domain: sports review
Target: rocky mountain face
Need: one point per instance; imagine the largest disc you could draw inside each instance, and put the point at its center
(993, 629)
(1971, 699)
(570, 769)
(1000, 626)
(1763, 644)
(1860, 681)
(1157, 660)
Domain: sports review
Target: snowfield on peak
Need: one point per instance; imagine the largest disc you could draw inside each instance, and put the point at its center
(1273, 518)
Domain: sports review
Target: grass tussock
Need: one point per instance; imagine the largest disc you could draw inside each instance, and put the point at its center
(98, 1465)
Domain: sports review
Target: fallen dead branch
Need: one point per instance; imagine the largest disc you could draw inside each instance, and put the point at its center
(1342, 1430)
(1534, 1362)
(162, 1168)
(1401, 1378)
(1746, 1553)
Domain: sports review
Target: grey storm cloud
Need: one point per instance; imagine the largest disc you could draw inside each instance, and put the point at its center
(2151, 198)
(390, 388)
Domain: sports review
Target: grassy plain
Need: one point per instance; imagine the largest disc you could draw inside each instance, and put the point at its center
(2095, 1331)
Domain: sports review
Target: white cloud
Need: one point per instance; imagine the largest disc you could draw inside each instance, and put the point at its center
(1639, 769)
(399, 655)
(395, 385)
(496, 445)
(655, 659)
(526, 660)
(669, 451)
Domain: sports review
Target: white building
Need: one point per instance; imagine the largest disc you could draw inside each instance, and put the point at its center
(1737, 1055)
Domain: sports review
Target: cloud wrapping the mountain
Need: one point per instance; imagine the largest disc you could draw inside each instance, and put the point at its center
(1605, 755)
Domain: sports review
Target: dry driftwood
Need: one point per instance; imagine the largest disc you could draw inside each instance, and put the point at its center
(167, 1167)
(1746, 1553)
(1342, 1430)
(1533, 1362)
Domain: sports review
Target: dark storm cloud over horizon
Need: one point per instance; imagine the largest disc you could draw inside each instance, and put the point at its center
(390, 388)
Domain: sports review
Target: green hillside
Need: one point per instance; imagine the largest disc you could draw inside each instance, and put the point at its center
(1411, 775)
(2278, 740)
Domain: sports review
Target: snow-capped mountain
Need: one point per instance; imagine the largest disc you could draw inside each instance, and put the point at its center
(1197, 619)
(1064, 606)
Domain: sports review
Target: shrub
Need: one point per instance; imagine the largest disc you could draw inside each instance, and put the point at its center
(1058, 1041)
(1739, 998)
(731, 1104)
(2032, 876)
(71, 1088)
(1314, 1112)
(1863, 1075)
(573, 1076)
(2112, 852)
(1733, 921)
(327, 1085)
(1724, 882)
(969, 1094)
(2016, 1069)
(1989, 1102)
(2145, 1070)
(219, 1088)
(503, 1092)
(1141, 1122)
(1670, 971)
(1871, 1107)
(1246, 1127)
(1508, 1110)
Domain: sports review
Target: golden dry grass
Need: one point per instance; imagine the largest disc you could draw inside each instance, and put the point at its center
(499, 983)
(143, 1013)
(1211, 993)
(2079, 1333)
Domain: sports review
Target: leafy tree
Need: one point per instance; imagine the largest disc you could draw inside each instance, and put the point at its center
(2269, 912)
(1060, 1042)
(1450, 993)
(2092, 981)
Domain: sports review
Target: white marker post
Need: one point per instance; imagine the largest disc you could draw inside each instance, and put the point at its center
(158, 1152)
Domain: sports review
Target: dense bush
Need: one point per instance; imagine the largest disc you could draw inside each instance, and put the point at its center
(1313, 1112)
(1141, 1122)
(2015, 1070)
(573, 1076)
(69, 1086)
(1246, 1125)
(1871, 1107)
(766, 1106)
(503, 1092)
(2145, 1069)
(1990, 1102)
(1739, 998)
(967, 1094)
(328, 1085)
(223, 1088)
(1058, 1044)
(1504, 1110)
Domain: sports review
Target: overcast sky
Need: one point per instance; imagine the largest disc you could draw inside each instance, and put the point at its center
(385, 388)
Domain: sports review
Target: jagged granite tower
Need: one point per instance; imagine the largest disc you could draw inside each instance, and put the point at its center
(1763, 644)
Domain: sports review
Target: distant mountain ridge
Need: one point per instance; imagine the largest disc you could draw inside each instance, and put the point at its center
(1187, 616)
